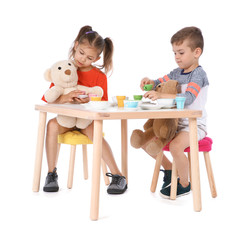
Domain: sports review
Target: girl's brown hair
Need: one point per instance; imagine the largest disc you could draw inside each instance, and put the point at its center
(193, 34)
(87, 35)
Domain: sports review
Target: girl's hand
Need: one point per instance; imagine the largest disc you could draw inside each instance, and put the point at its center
(82, 100)
(153, 95)
(72, 97)
(145, 81)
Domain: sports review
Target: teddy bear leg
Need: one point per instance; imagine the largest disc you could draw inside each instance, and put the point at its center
(154, 147)
(140, 138)
(65, 121)
(83, 123)
(137, 138)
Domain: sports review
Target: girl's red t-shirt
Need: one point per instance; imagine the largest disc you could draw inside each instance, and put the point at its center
(92, 78)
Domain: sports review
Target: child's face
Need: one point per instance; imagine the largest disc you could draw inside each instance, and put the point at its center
(185, 57)
(84, 56)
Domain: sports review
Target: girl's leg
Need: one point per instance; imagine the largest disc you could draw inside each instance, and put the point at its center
(177, 146)
(53, 130)
(166, 164)
(107, 154)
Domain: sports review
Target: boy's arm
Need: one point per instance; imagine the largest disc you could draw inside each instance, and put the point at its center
(198, 81)
(153, 95)
(160, 80)
(145, 81)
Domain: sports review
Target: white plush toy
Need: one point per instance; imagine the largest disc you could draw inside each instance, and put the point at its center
(65, 78)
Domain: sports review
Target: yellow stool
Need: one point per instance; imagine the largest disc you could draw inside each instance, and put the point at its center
(74, 138)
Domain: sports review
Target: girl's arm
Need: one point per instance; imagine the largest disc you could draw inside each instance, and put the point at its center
(71, 97)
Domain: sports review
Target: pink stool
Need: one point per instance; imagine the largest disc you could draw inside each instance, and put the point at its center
(205, 146)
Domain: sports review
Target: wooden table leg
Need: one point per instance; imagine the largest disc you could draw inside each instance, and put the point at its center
(39, 151)
(124, 147)
(195, 164)
(97, 154)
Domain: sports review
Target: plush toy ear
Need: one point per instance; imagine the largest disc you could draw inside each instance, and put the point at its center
(47, 75)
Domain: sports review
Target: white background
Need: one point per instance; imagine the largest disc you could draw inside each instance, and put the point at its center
(35, 34)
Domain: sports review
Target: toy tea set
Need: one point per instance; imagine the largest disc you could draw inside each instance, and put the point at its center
(123, 102)
(169, 87)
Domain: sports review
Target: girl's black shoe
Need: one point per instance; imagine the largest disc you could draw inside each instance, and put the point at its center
(51, 182)
(118, 184)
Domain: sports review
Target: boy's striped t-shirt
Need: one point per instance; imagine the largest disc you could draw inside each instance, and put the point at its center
(194, 86)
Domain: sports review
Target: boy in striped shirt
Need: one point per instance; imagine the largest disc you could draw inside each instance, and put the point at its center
(187, 46)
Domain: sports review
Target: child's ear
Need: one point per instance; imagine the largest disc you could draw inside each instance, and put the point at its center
(75, 45)
(198, 52)
(47, 75)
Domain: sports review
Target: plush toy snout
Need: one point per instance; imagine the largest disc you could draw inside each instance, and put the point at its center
(67, 72)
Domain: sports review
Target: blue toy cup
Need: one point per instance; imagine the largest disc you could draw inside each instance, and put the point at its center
(129, 104)
(180, 102)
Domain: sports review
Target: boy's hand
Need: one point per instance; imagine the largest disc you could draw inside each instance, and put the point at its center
(145, 81)
(153, 95)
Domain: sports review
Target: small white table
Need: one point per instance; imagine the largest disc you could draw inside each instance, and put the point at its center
(80, 111)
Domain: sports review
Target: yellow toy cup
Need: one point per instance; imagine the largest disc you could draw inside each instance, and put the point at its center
(95, 98)
(120, 100)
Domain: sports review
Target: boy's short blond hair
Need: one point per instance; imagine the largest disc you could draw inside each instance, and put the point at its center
(193, 34)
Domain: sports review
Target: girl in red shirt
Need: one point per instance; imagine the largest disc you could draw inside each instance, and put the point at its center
(86, 50)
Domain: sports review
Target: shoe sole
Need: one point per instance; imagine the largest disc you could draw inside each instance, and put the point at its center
(177, 196)
(51, 189)
(114, 191)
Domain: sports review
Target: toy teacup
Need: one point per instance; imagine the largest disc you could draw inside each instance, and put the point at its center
(95, 98)
(120, 100)
(137, 97)
(148, 87)
(180, 102)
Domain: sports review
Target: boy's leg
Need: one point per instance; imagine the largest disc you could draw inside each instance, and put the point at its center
(167, 165)
(177, 147)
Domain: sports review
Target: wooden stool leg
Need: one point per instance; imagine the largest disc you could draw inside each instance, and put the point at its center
(71, 166)
(210, 174)
(85, 161)
(104, 170)
(190, 172)
(156, 171)
(174, 182)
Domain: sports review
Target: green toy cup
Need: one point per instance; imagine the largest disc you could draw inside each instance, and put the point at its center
(137, 97)
(148, 87)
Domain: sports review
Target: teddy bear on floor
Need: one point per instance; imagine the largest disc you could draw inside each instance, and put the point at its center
(162, 130)
(63, 75)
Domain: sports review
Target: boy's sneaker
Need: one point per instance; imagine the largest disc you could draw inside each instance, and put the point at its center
(118, 184)
(165, 192)
(51, 182)
(167, 178)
